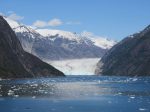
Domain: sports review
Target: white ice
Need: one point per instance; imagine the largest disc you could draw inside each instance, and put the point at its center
(76, 66)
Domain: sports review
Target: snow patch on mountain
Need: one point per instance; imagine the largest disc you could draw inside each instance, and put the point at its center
(12, 23)
(98, 41)
(58, 33)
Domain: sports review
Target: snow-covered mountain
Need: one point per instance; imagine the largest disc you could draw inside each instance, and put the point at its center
(57, 44)
(72, 45)
(85, 36)
(98, 41)
(25, 34)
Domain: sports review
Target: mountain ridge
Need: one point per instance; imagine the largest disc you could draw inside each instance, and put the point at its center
(129, 57)
(59, 44)
(15, 62)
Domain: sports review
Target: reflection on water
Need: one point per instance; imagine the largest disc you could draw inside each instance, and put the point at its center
(93, 91)
(52, 89)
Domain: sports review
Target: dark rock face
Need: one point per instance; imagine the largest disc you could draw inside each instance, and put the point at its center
(130, 57)
(15, 62)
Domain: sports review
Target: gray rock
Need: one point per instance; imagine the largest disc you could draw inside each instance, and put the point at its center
(130, 57)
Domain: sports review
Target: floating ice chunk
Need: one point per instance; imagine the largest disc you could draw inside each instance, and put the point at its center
(99, 81)
(10, 93)
(129, 101)
(33, 97)
(16, 89)
(13, 87)
(132, 97)
(142, 109)
(16, 96)
(53, 80)
(134, 79)
(41, 90)
(34, 85)
(119, 93)
(45, 92)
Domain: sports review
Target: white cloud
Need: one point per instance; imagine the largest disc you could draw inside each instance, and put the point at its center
(55, 22)
(40, 24)
(15, 17)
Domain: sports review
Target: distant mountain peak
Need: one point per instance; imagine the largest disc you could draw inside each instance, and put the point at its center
(84, 36)
(60, 33)
(59, 44)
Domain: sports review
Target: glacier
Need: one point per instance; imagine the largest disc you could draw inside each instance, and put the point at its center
(84, 66)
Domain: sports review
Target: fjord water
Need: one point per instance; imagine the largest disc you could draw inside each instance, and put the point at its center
(76, 94)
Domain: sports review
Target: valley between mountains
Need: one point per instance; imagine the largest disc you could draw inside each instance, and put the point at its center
(85, 53)
(67, 51)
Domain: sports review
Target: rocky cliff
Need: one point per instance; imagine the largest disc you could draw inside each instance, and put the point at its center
(15, 62)
(130, 57)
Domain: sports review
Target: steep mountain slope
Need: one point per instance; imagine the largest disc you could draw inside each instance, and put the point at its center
(57, 45)
(129, 57)
(71, 45)
(15, 62)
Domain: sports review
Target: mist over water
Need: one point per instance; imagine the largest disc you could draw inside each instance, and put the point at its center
(76, 94)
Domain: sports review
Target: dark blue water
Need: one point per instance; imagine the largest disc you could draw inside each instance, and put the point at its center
(76, 94)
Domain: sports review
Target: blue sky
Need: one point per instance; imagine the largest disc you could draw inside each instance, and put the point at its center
(114, 19)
